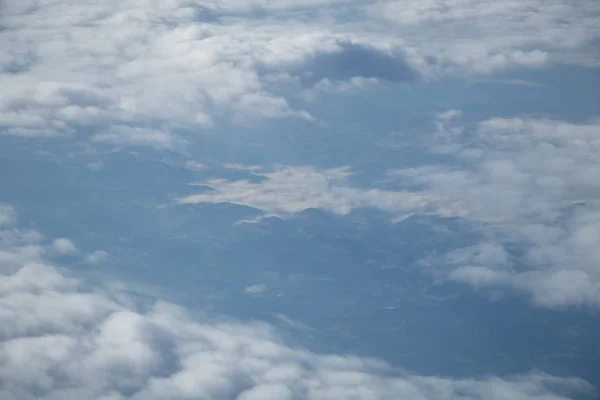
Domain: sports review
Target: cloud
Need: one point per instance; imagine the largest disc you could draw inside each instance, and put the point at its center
(256, 289)
(484, 36)
(64, 246)
(142, 73)
(95, 166)
(119, 68)
(194, 166)
(516, 82)
(242, 6)
(290, 190)
(241, 167)
(533, 183)
(157, 139)
(256, 220)
(64, 338)
(97, 256)
(8, 215)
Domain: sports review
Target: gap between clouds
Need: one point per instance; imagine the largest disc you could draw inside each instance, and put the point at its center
(63, 338)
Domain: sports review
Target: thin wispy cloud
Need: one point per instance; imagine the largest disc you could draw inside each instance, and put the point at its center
(97, 257)
(256, 289)
(127, 136)
(290, 190)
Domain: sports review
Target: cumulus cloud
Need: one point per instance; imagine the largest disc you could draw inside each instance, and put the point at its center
(120, 67)
(485, 36)
(63, 338)
(116, 68)
(64, 246)
(290, 190)
(533, 181)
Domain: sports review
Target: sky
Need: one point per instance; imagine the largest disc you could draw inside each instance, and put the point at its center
(310, 199)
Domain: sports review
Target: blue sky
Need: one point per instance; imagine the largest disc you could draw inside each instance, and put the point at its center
(318, 199)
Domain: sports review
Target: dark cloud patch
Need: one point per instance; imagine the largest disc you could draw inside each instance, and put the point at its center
(352, 60)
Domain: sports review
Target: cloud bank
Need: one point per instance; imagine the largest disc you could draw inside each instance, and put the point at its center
(144, 72)
(486, 36)
(534, 183)
(137, 72)
(64, 338)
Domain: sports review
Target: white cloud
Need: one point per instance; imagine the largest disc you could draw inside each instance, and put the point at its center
(83, 66)
(534, 182)
(271, 5)
(95, 166)
(256, 289)
(484, 36)
(172, 65)
(97, 256)
(240, 167)
(401, 218)
(64, 246)
(476, 275)
(63, 338)
(194, 166)
(157, 139)
(291, 190)
(7, 215)
(516, 82)
(256, 220)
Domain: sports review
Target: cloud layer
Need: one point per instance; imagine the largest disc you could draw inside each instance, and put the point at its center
(486, 36)
(143, 72)
(533, 181)
(63, 338)
(134, 72)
